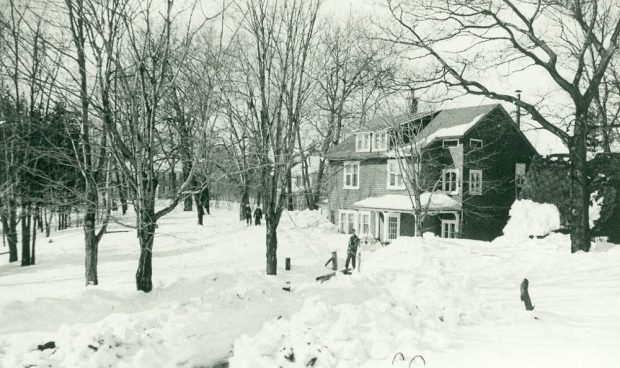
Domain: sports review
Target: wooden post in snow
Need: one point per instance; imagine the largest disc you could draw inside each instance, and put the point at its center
(287, 264)
(334, 261)
(525, 296)
(359, 261)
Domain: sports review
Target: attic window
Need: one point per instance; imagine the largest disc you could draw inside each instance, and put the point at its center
(450, 143)
(379, 142)
(475, 143)
(362, 142)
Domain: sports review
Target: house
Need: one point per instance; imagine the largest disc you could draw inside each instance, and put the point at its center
(467, 165)
(297, 181)
(169, 179)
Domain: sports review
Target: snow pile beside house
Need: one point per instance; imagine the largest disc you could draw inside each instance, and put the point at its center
(529, 218)
(306, 219)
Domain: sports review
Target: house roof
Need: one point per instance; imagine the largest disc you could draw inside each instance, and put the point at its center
(446, 123)
(400, 202)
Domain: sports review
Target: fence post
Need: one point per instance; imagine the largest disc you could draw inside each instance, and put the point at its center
(287, 264)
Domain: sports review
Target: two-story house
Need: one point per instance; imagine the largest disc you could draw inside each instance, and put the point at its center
(465, 165)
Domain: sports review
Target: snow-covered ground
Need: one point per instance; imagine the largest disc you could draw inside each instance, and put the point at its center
(455, 302)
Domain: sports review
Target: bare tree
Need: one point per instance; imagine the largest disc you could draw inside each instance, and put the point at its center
(275, 89)
(581, 39)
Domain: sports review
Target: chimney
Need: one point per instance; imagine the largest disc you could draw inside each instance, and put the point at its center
(518, 92)
(412, 102)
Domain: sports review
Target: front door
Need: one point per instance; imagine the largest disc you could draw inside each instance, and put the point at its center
(393, 226)
(449, 228)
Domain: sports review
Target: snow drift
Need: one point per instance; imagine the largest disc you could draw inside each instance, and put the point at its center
(529, 218)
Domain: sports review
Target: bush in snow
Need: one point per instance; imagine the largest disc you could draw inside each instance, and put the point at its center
(528, 218)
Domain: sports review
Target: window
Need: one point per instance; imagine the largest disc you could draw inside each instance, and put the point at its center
(475, 182)
(172, 176)
(379, 142)
(449, 228)
(298, 181)
(351, 175)
(348, 221)
(364, 223)
(449, 181)
(393, 226)
(475, 143)
(450, 143)
(394, 175)
(362, 142)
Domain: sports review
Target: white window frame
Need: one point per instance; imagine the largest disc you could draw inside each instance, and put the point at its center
(362, 142)
(362, 215)
(356, 165)
(475, 140)
(444, 183)
(398, 174)
(473, 188)
(344, 223)
(383, 140)
(443, 143)
(445, 228)
(387, 225)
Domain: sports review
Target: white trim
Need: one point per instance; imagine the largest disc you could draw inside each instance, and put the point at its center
(398, 174)
(363, 142)
(443, 143)
(356, 173)
(473, 190)
(374, 141)
(388, 216)
(472, 140)
(443, 181)
(447, 223)
(360, 227)
(345, 226)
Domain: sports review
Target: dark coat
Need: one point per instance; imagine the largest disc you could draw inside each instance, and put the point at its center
(354, 242)
(247, 212)
(258, 213)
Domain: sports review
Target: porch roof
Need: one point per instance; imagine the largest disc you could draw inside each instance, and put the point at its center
(399, 202)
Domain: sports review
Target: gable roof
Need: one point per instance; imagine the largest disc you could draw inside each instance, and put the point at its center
(448, 123)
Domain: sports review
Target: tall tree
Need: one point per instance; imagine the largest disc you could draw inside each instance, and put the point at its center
(528, 35)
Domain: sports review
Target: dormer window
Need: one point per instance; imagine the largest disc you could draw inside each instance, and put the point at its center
(450, 143)
(362, 142)
(379, 141)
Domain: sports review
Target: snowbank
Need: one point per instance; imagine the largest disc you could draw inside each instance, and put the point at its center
(528, 218)
(307, 219)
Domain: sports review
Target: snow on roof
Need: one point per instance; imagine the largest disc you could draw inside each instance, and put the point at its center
(453, 131)
(399, 202)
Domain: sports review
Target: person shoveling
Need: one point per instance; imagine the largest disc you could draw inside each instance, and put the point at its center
(354, 243)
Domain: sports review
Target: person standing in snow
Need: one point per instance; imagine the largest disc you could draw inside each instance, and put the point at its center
(354, 242)
(247, 212)
(258, 215)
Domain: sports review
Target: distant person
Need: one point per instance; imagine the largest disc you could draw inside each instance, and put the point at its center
(247, 213)
(354, 242)
(258, 215)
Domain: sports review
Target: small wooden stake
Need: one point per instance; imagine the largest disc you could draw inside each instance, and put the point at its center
(334, 261)
(287, 264)
(525, 296)
(359, 261)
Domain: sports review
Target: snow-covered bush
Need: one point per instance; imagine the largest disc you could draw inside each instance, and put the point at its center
(529, 218)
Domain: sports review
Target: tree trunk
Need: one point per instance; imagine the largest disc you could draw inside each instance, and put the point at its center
(9, 228)
(206, 200)
(245, 198)
(25, 222)
(122, 193)
(272, 245)
(146, 236)
(187, 168)
(48, 222)
(580, 198)
(199, 209)
(36, 219)
(90, 240)
(289, 191)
